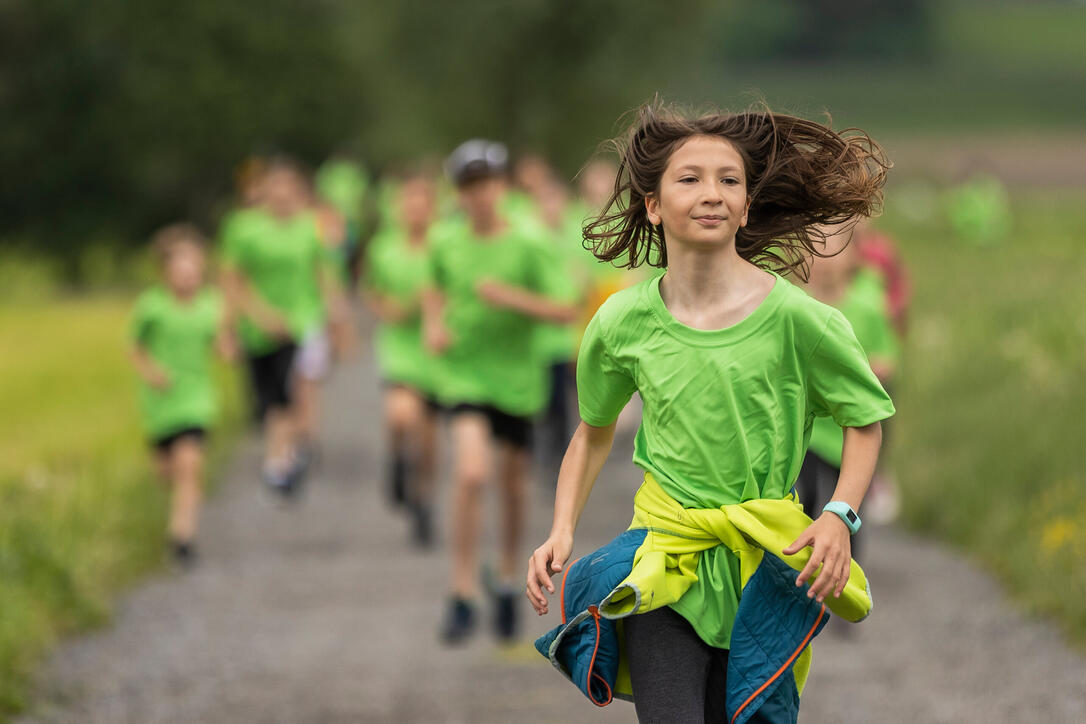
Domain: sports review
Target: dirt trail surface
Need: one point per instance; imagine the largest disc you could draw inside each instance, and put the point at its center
(320, 613)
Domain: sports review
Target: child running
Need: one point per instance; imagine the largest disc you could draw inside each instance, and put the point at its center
(488, 294)
(395, 277)
(733, 363)
(275, 276)
(175, 327)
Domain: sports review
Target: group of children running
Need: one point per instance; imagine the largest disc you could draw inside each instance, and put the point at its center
(758, 338)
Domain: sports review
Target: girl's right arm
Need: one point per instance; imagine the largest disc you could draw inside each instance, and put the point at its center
(151, 372)
(243, 302)
(581, 466)
(435, 335)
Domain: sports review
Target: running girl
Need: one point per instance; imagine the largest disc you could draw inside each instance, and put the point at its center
(275, 276)
(489, 286)
(733, 363)
(175, 327)
(396, 276)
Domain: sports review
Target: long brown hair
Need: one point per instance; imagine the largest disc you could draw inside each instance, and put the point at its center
(799, 174)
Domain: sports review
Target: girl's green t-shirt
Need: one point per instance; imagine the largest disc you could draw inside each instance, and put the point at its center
(282, 261)
(180, 337)
(727, 413)
(864, 306)
(493, 358)
(398, 270)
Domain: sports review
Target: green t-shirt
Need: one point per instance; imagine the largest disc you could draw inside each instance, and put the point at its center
(493, 358)
(398, 270)
(180, 337)
(864, 306)
(558, 342)
(727, 413)
(343, 184)
(281, 260)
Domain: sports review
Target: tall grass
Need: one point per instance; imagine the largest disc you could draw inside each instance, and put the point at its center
(80, 515)
(989, 435)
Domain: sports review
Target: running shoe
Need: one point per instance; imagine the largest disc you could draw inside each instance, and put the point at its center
(397, 482)
(505, 616)
(183, 553)
(279, 483)
(459, 622)
(422, 532)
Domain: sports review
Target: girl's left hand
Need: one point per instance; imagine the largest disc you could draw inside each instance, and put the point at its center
(831, 546)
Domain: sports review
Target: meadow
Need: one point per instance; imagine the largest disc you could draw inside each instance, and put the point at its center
(988, 439)
(81, 516)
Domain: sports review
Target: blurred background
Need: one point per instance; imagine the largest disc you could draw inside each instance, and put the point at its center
(119, 117)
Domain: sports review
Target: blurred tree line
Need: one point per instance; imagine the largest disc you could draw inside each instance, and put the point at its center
(121, 115)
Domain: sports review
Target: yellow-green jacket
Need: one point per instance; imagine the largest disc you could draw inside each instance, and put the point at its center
(655, 562)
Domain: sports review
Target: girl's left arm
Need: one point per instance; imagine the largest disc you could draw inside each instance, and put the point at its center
(828, 536)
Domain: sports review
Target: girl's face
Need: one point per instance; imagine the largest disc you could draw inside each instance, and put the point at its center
(184, 270)
(417, 204)
(284, 192)
(831, 270)
(702, 197)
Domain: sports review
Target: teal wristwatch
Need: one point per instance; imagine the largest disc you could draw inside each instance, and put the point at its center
(845, 512)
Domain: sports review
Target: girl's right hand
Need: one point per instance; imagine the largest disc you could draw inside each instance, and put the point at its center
(547, 560)
(159, 380)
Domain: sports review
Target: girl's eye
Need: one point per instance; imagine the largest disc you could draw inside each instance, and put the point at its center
(687, 179)
(730, 180)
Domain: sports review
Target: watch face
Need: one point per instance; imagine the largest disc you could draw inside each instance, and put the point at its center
(851, 517)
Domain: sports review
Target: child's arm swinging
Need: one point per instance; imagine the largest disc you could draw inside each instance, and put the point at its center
(526, 302)
(581, 466)
(828, 536)
(149, 369)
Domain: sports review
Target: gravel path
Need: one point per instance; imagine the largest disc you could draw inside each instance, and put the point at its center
(318, 613)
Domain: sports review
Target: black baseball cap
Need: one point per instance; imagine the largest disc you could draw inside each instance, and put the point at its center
(476, 159)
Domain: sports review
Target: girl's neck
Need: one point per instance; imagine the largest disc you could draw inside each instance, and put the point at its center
(712, 289)
(182, 295)
(416, 238)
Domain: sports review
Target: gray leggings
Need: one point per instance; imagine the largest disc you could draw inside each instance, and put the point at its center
(677, 678)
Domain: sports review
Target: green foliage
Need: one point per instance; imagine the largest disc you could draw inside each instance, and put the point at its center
(988, 434)
(121, 116)
(80, 515)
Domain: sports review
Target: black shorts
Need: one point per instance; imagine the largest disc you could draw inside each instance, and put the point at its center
(432, 405)
(163, 444)
(512, 429)
(270, 377)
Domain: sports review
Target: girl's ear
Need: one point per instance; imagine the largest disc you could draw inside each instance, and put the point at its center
(746, 211)
(652, 209)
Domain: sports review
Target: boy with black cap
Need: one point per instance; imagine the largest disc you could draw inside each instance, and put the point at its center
(490, 287)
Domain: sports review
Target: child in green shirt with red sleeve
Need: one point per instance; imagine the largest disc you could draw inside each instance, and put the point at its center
(733, 364)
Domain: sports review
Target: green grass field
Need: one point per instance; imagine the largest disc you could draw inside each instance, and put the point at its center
(988, 438)
(80, 514)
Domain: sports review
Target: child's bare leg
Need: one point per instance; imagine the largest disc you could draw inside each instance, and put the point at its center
(471, 440)
(187, 458)
(403, 414)
(512, 476)
(425, 456)
(161, 462)
(306, 408)
(278, 439)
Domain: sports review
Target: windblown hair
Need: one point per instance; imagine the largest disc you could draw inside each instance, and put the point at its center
(799, 175)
